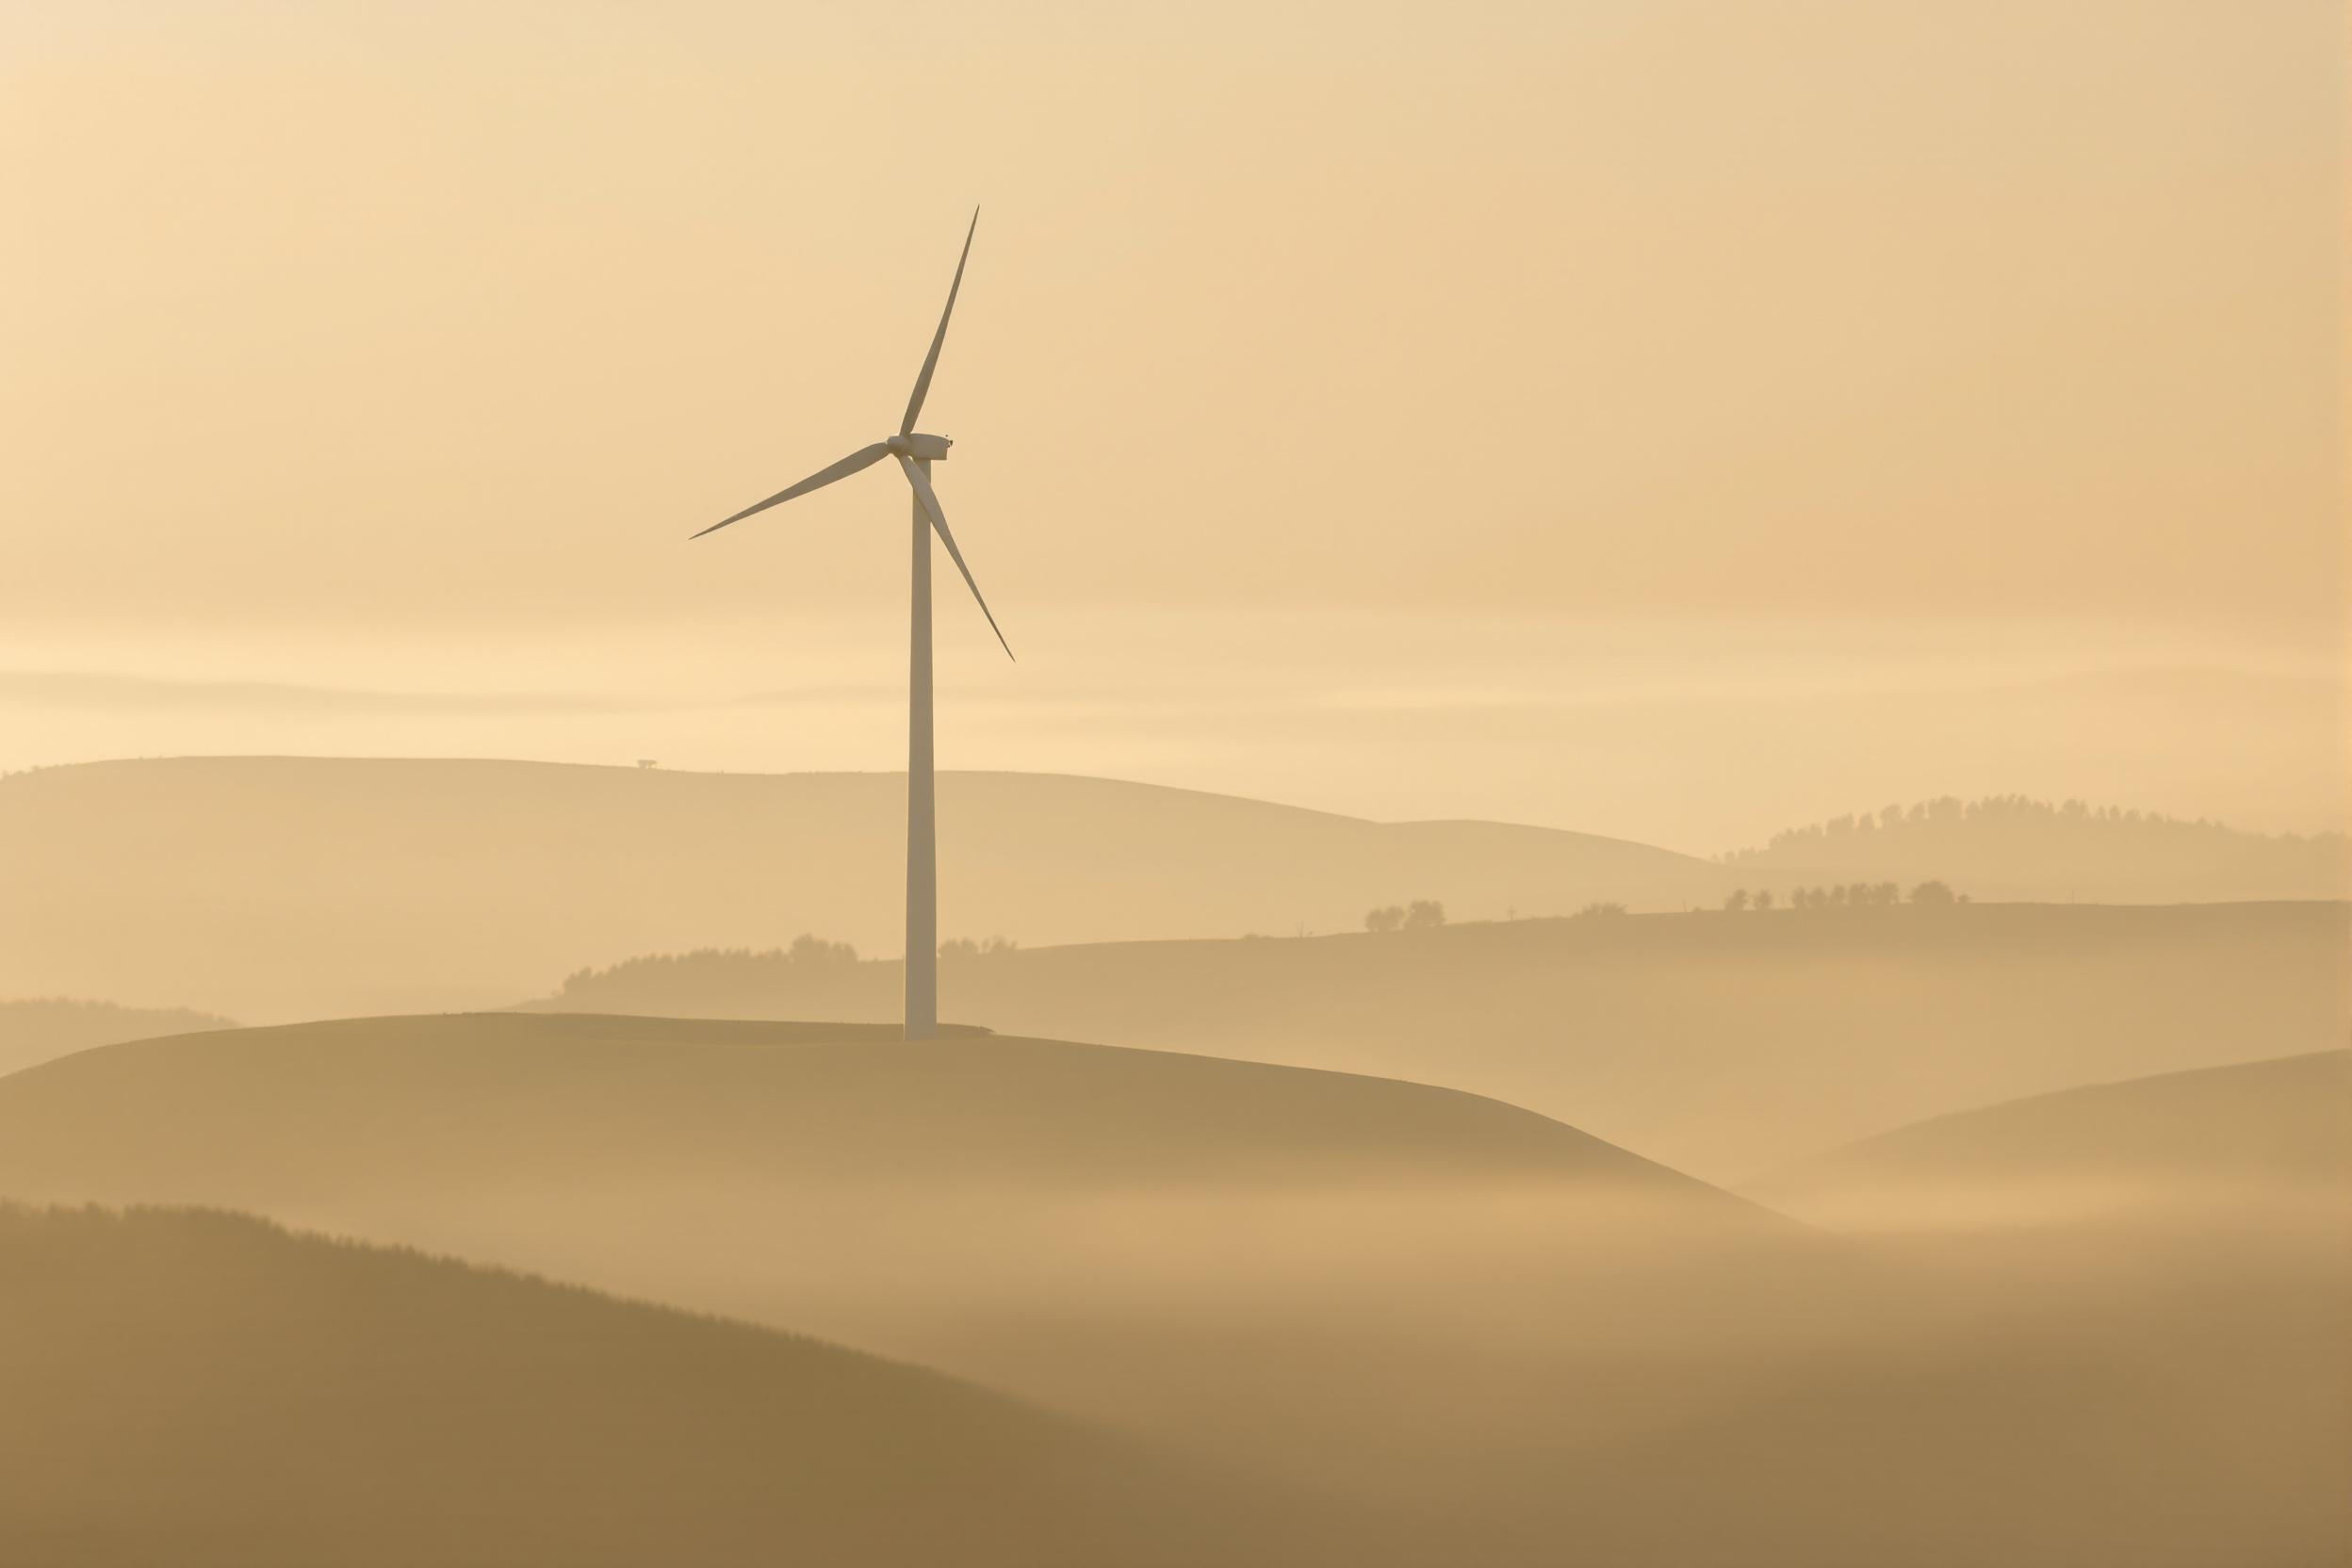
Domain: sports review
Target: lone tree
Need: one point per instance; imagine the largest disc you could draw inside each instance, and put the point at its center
(1387, 918)
(1424, 914)
(1933, 892)
(1735, 900)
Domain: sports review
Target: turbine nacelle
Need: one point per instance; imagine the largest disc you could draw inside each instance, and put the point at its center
(923, 448)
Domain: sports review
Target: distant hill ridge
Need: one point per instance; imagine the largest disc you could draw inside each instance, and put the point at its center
(278, 888)
(34, 1029)
(284, 888)
(2260, 1131)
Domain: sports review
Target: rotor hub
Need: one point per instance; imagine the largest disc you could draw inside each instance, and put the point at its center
(927, 449)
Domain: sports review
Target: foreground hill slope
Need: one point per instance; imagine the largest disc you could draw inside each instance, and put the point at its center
(2274, 1133)
(275, 888)
(35, 1029)
(1721, 1044)
(202, 1388)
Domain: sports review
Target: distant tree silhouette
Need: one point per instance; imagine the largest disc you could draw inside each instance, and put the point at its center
(1424, 914)
(1735, 900)
(810, 959)
(815, 950)
(1947, 811)
(1387, 918)
(1859, 895)
(1763, 898)
(1593, 911)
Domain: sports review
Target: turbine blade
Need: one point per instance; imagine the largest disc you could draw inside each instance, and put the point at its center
(930, 498)
(931, 360)
(865, 457)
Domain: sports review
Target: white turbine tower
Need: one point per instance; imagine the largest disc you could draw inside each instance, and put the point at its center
(915, 453)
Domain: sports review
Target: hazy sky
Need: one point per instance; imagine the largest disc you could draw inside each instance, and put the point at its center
(429, 327)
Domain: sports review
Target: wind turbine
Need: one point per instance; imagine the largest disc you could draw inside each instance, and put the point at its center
(915, 453)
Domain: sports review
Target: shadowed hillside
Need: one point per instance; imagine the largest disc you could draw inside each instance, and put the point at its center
(38, 1028)
(2273, 1133)
(200, 1388)
(1719, 1043)
(276, 888)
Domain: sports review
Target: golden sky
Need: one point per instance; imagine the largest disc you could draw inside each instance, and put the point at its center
(449, 323)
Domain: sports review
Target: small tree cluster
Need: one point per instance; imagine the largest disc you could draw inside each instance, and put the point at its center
(1849, 895)
(964, 947)
(1599, 912)
(1422, 914)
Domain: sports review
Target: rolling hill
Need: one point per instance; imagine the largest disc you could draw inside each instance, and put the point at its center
(1226, 1252)
(2268, 1135)
(1422, 1304)
(1721, 1044)
(285, 888)
(948, 1201)
(202, 1388)
(35, 1029)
